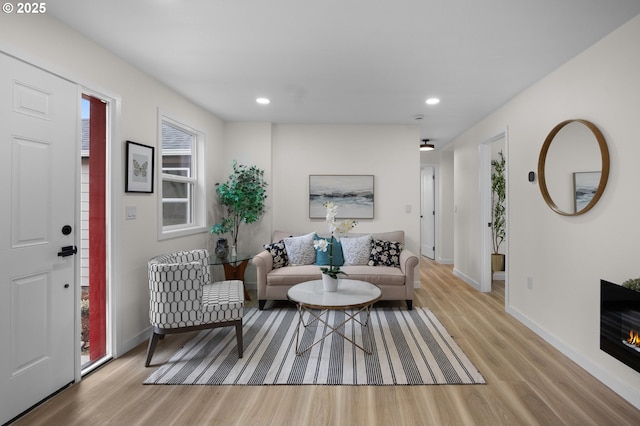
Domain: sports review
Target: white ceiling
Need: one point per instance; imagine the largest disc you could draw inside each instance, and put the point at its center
(348, 61)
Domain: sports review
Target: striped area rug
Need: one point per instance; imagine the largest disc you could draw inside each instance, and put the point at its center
(409, 348)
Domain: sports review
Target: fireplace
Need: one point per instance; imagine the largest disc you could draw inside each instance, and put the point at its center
(620, 323)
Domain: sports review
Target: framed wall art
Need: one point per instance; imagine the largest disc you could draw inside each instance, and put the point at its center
(585, 185)
(353, 194)
(139, 168)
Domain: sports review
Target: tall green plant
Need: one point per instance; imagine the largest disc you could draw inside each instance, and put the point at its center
(243, 194)
(498, 197)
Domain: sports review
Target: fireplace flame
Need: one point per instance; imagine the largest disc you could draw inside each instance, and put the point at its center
(634, 338)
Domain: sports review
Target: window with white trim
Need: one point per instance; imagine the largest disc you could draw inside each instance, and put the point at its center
(181, 206)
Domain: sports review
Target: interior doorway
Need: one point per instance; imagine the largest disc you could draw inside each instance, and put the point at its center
(428, 212)
(93, 243)
(488, 151)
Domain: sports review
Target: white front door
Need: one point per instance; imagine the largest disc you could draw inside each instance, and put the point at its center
(38, 134)
(428, 213)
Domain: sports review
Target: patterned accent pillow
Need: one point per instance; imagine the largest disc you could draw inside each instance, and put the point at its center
(279, 254)
(322, 257)
(356, 250)
(385, 253)
(300, 250)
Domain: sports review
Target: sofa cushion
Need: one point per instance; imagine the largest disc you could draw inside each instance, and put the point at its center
(335, 250)
(385, 253)
(379, 275)
(278, 253)
(292, 275)
(222, 301)
(300, 250)
(356, 250)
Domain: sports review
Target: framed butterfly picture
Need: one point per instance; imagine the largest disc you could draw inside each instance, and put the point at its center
(139, 168)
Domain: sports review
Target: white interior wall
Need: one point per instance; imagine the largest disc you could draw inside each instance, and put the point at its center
(390, 153)
(565, 256)
(466, 210)
(445, 214)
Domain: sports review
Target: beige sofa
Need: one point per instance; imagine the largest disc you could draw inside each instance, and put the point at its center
(395, 283)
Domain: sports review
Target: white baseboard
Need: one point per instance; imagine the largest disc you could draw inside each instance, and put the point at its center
(124, 347)
(473, 283)
(499, 275)
(626, 391)
(444, 261)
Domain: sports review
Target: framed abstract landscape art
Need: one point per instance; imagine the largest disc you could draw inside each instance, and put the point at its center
(353, 194)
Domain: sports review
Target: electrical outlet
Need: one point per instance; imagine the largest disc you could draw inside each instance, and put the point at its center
(530, 283)
(408, 208)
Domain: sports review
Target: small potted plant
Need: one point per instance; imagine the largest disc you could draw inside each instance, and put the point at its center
(330, 274)
(632, 284)
(243, 194)
(498, 211)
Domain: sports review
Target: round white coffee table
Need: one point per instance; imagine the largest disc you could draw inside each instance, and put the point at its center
(353, 297)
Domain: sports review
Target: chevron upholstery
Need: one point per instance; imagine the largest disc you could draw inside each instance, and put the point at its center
(181, 298)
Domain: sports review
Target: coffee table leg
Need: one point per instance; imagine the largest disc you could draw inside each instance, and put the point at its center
(336, 329)
(300, 322)
(365, 324)
(318, 318)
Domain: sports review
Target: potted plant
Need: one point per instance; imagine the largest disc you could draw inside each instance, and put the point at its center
(330, 273)
(243, 194)
(632, 284)
(498, 211)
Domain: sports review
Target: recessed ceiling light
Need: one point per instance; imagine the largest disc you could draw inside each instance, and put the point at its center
(433, 101)
(263, 101)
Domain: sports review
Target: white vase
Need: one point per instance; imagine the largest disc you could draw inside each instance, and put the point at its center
(329, 284)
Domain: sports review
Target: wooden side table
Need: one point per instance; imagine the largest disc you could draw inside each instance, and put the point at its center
(234, 267)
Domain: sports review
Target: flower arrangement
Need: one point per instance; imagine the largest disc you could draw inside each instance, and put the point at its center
(337, 230)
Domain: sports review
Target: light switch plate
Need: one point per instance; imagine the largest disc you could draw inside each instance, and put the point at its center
(132, 212)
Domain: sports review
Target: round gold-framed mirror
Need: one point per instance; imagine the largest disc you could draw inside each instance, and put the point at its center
(574, 167)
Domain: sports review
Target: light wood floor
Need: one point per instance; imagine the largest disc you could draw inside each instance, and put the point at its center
(528, 383)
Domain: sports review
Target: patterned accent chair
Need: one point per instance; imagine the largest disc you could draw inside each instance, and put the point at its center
(183, 299)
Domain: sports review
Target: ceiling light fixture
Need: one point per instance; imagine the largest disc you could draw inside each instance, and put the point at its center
(263, 101)
(426, 146)
(432, 101)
